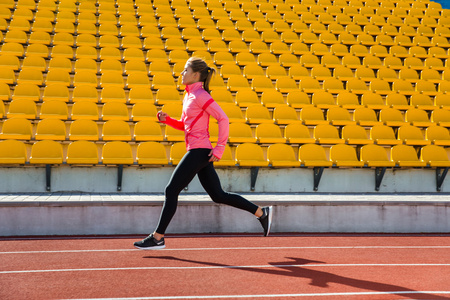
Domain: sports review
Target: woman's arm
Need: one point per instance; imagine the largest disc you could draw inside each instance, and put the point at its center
(217, 113)
(165, 119)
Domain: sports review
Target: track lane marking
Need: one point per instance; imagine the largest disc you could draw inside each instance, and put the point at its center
(228, 248)
(222, 267)
(283, 295)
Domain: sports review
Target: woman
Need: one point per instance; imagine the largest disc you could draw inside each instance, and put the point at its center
(197, 107)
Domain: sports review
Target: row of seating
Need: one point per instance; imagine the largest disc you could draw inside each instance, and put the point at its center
(53, 129)
(245, 155)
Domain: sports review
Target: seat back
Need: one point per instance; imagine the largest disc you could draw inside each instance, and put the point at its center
(46, 152)
(82, 152)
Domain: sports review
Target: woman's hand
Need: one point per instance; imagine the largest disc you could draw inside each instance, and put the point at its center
(213, 158)
(162, 116)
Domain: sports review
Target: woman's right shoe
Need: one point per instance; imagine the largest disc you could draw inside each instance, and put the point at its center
(150, 243)
(266, 219)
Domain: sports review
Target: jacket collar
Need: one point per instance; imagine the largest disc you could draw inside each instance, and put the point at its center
(193, 87)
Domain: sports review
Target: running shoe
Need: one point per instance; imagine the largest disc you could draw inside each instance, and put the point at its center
(150, 243)
(266, 219)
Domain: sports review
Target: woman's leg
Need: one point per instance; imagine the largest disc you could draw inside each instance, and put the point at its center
(211, 183)
(189, 166)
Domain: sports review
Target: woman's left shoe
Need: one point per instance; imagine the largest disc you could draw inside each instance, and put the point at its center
(150, 243)
(266, 219)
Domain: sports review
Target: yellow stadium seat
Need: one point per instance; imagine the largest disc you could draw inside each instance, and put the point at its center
(355, 135)
(417, 117)
(252, 70)
(46, 152)
(365, 116)
(426, 88)
(111, 78)
(351, 61)
(116, 130)
(15, 49)
(58, 76)
(269, 134)
(320, 72)
(257, 114)
(237, 83)
(422, 101)
(309, 60)
(298, 72)
(405, 156)
(233, 112)
(411, 135)
(312, 116)
(356, 86)
(52, 109)
(311, 155)
(241, 133)
(298, 99)
(397, 101)
(135, 66)
(386, 74)
(82, 152)
(80, 64)
(174, 135)
(137, 80)
(83, 130)
(173, 109)
(112, 93)
(283, 115)
(222, 96)
(344, 156)
(309, 85)
(16, 35)
(151, 153)
(343, 73)
(441, 117)
(327, 134)
(322, 100)
(85, 93)
(297, 133)
(347, 100)
(266, 59)
(365, 74)
(431, 75)
(333, 85)
(230, 69)
(438, 135)
(7, 76)
(434, 156)
(250, 155)
(148, 131)
(16, 128)
(272, 98)
(22, 108)
(392, 117)
(12, 152)
(115, 111)
(375, 156)
(51, 129)
(372, 101)
(177, 151)
(26, 91)
(144, 111)
(339, 116)
(280, 155)
(117, 153)
(12, 62)
(442, 101)
(85, 77)
(56, 92)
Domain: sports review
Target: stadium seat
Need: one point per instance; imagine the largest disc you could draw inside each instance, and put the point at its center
(240, 133)
(144, 111)
(140, 94)
(173, 135)
(397, 101)
(322, 100)
(56, 92)
(115, 111)
(344, 156)
(82, 152)
(46, 152)
(16, 128)
(12, 152)
(113, 93)
(51, 129)
(83, 130)
(269, 134)
(391, 117)
(246, 97)
(298, 99)
(54, 110)
(375, 156)
(85, 110)
(151, 153)
(365, 116)
(438, 135)
(405, 156)
(418, 117)
(383, 135)
(355, 135)
(441, 117)
(22, 108)
(298, 134)
(257, 114)
(339, 116)
(312, 116)
(148, 131)
(422, 101)
(177, 151)
(261, 84)
(327, 134)
(250, 155)
(411, 135)
(233, 112)
(117, 153)
(434, 156)
(311, 155)
(281, 155)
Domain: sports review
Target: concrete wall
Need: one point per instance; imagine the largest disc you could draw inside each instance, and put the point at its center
(153, 180)
(71, 218)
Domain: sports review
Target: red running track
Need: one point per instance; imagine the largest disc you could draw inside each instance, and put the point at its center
(228, 267)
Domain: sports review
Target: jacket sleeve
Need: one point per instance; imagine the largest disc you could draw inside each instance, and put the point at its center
(217, 113)
(177, 124)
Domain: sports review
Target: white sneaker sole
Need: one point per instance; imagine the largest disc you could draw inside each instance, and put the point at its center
(151, 248)
(270, 219)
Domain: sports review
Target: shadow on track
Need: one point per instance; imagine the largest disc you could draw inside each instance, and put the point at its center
(293, 268)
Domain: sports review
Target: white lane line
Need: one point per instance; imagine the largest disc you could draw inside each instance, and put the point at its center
(229, 248)
(286, 295)
(222, 267)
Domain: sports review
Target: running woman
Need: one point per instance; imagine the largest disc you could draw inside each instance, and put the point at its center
(197, 107)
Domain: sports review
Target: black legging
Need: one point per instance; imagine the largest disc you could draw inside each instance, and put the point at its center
(196, 161)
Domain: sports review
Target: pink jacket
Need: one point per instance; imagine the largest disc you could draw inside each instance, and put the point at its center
(197, 107)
